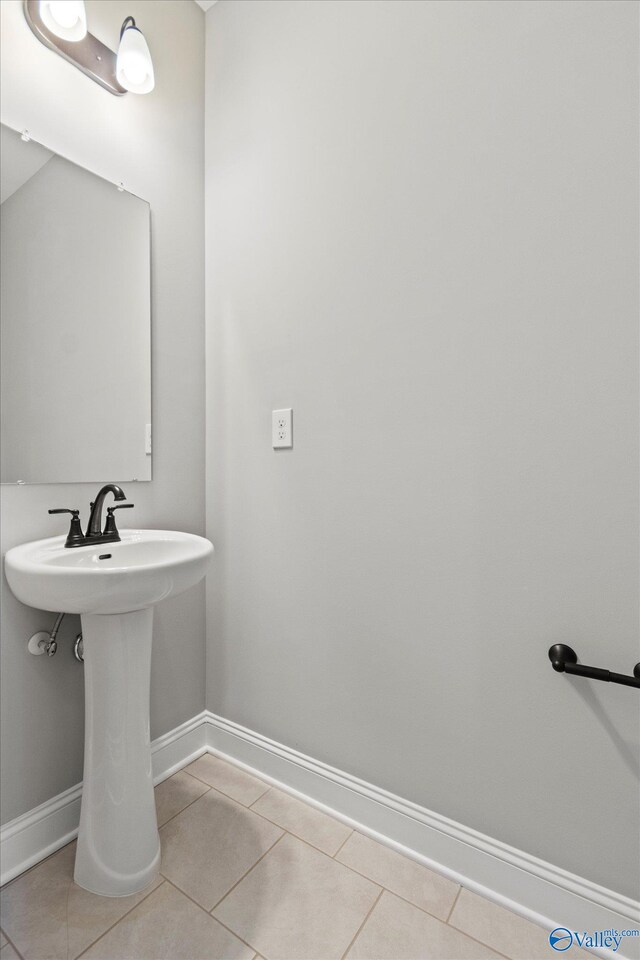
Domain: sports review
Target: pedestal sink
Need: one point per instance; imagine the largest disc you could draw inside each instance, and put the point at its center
(113, 587)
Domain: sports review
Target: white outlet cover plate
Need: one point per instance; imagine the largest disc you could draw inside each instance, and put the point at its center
(282, 428)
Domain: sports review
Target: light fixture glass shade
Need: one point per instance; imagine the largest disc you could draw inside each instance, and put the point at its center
(134, 68)
(66, 18)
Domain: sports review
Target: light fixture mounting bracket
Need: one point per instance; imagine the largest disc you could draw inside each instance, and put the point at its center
(89, 55)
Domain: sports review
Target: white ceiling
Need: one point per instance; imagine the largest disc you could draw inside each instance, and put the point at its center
(205, 4)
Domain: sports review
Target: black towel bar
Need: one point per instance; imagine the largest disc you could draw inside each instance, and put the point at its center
(565, 660)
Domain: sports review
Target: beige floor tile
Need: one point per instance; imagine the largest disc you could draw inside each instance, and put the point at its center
(8, 953)
(210, 845)
(176, 793)
(305, 821)
(168, 926)
(45, 913)
(504, 931)
(407, 878)
(227, 779)
(398, 930)
(3, 939)
(298, 904)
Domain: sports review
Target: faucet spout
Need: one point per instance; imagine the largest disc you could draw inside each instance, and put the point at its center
(95, 518)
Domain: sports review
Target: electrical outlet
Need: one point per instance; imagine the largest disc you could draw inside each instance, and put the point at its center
(282, 428)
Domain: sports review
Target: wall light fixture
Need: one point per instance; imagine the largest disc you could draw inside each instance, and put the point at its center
(67, 19)
(62, 26)
(134, 67)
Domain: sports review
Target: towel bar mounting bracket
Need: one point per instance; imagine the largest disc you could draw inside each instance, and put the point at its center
(565, 660)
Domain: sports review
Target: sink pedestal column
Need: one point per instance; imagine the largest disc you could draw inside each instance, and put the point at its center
(118, 844)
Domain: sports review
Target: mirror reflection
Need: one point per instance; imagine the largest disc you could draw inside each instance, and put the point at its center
(74, 322)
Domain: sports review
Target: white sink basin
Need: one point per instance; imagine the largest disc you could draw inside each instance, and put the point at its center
(114, 587)
(146, 566)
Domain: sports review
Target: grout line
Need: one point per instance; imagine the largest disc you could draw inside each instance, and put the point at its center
(297, 835)
(379, 883)
(230, 762)
(284, 833)
(50, 856)
(215, 786)
(422, 909)
(183, 892)
(357, 933)
(453, 905)
(105, 932)
(349, 867)
(263, 794)
(333, 856)
(219, 793)
(357, 872)
(307, 843)
(234, 934)
(471, 937)
(200, 907)
(416, 907)
(482, 944)
(195, 777)
(172, 883)
(342, 845)
(217, 904)
(191, 802)
(312, 846)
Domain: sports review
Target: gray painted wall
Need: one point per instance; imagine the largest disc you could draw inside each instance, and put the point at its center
(154, 144)
(422, 235)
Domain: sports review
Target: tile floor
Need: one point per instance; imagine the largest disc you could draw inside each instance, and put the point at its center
(250, 873)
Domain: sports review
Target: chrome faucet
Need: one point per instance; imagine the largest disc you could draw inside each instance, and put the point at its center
(94, 528)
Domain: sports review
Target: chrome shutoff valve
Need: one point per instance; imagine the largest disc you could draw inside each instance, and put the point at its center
(41, 642)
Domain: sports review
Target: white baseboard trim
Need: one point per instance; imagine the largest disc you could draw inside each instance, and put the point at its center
(37, 834)
(174, 750)
(533, 888)
(537, 890)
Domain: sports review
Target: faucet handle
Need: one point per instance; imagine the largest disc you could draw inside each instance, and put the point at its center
(110, 529)
(75, 537)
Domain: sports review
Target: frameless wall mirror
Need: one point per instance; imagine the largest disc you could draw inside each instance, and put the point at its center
(75, 322)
